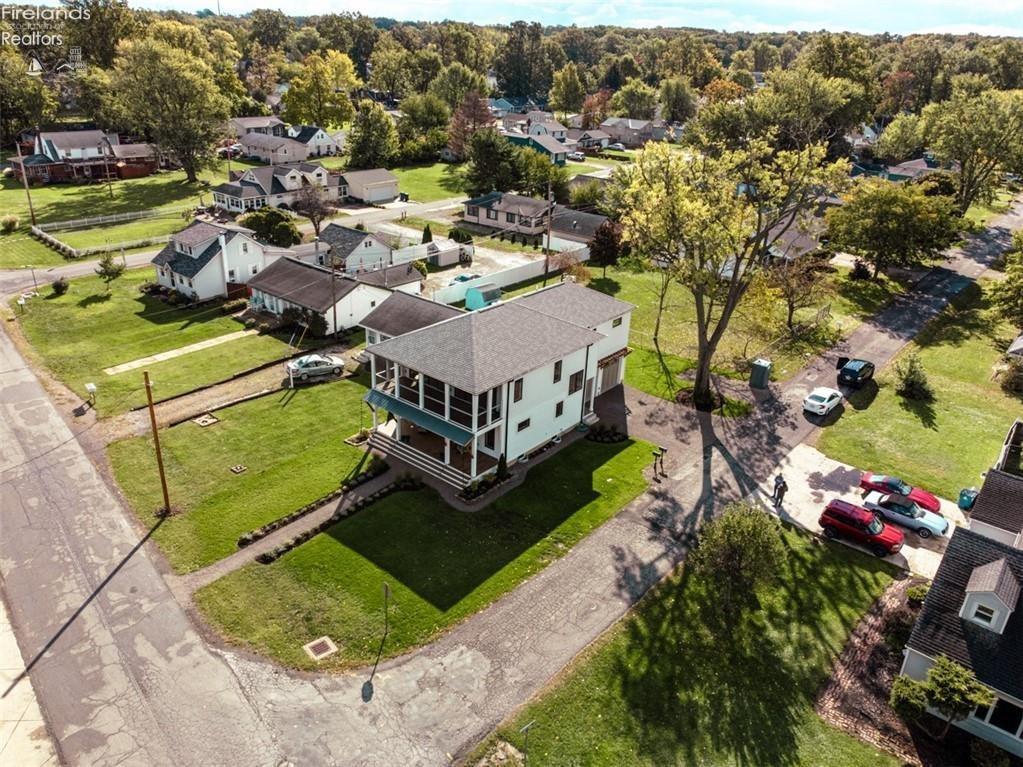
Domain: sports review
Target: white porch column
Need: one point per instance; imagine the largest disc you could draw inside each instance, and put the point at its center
(447, 451)
(372, 371)
(472, 458)
(447, 402)
(473, 404)
(422, 392)
(397, 428)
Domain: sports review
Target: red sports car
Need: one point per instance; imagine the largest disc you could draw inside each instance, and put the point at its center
(895, 486)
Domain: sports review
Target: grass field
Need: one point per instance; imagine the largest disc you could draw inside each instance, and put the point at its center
(442, 565)
(291, 444)
(19, 249)
(79, 334)
(675, 684)
(426, 183)
(980, 214)
(126, 232)
(943, 445)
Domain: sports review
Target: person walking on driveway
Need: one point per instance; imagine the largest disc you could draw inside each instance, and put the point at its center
(778, 482)
(779, 492)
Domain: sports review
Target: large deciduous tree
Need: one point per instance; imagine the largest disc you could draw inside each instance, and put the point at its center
(312, 203)
(103, 24)
(319, 92)
(24, 100)
(1008, 293)
(678, 100)
(472, 115)
(709, 221)
(171, 97)
(493, 163)
(269, 28)
(635, 99)
(890, 224)
(568, 91)
(373, 139)
(454, 82)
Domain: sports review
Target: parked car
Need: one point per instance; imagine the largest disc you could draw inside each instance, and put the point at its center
(315, 365)
(616, 147)
(841, 519)
(856, 372)
(577, 156)
(902, 511)
(822, 400)
(884, 483)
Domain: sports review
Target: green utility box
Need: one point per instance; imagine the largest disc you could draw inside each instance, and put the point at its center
(760, 374)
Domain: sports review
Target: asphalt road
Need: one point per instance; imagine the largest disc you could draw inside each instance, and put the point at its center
(123, 678)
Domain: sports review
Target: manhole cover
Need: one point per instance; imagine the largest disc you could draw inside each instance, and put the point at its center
(320, 648)
(206, 419)
(238, 469)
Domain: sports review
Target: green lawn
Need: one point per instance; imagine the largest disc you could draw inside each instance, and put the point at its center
(127, 232)
(86, 330)
(675, 684)
(980, 214)
(946, 444)
(19, 249)
(426, 183)
(291, 443)
(442, 565)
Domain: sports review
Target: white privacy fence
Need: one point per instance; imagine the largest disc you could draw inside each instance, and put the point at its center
(513, 275)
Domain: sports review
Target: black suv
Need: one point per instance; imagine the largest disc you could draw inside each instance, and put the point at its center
(856, 372)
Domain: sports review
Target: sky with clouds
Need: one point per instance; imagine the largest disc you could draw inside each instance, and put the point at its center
(996, 17)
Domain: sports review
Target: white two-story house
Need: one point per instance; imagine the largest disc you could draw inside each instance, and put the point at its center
(275, 185)
(206, 260)
(504, 380)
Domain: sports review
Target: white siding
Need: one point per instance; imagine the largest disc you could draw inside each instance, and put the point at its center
(996, 533)
(370, 255)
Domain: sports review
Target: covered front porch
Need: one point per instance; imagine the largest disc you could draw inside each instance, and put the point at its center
(437, 447)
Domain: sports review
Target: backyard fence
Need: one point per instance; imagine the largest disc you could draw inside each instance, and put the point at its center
(69, 252)
(513, 275)
(113, 218)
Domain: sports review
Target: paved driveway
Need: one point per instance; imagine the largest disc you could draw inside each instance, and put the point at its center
(814, 479)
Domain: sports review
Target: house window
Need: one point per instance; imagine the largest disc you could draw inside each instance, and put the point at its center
(490, 439)
(517, 390)
(559, 409)
(983, 614)
(617, 322)
(367, 243)
(473, 211)
(575, 383)
(491, 214)
(230, 275)
(372, 304)
(245, 247)
(189, 283)
(509, 217)
(557, 371)
(253, 268)
(1006, 716)
(523, 425)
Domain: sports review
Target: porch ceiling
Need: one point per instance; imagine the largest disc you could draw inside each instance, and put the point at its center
(458, 435)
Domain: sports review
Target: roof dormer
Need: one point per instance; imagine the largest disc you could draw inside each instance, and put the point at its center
(992, 594)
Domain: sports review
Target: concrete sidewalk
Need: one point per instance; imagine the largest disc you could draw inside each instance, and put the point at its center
(169, 355)
(814, 479)
(24, 740)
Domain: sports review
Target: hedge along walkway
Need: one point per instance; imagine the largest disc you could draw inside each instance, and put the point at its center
(169, 355)
(196, 580)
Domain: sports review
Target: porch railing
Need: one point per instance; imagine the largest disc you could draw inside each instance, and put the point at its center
(419, 459)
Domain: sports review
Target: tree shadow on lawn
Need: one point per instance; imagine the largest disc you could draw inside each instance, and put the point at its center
(94, 298)
(861, 398)
(606, 285)
(966, 316)
(697, 680)
(922, 409)
(444, 555)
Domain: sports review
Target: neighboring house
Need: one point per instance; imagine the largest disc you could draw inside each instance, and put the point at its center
(402, 313)
(84, 154)
(206, 260)
(556, 151)
(507, 212)
(633, 133)
(290, 283)
(973, 615)
(801, 238)
(862, 137)
(273, 149)
(904, 171)
(998, 511)
(353, 250)
(546, 126)
(504, 380)
(401, 278)
(601, 177)
(268, 125)
(440, 251)
(275, 185)
(318, 142)
(373, 186)
(499, 107)
(589, 139)
(1015, 349)
(575, 225)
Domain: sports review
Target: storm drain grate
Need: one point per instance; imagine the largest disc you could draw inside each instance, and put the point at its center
(320, 648)
(206, 419)
(238, 469)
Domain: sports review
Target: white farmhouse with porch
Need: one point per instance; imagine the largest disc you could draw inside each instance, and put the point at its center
(504, 380)
(276, 185)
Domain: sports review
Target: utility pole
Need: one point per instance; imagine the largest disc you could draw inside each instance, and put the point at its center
(24, 178)
(106, 170)
(156, 442)
(333, 284)
(547, 250)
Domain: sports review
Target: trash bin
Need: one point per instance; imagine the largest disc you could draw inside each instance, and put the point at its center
(760, 374)
(967, 497)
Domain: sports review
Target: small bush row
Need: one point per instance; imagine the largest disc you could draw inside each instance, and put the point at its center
(9, 223)
(405, 483)
(376, 468)
(234, 305)
(603, 433)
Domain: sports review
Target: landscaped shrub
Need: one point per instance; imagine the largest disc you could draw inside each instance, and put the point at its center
(918, 593)
(60, 286)
(460, 235)
(860, 271)
(234, 305)
(986, 754)
(250, 322)
(911, 379)
(8, 224)
(899, 626)
(420, 266)
(1012, 378)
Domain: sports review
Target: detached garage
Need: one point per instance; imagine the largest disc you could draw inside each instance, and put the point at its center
(373, 186)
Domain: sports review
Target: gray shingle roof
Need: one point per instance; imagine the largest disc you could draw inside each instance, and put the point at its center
(198, 232)
(183, 264)
(511, 203)
(75, 139)
(402, 313)
(995, 658)
(260, 121)
(571, 302)
(133, 151)
(996, 578)
(478, 351)
(372, 176)
(549, 144)
(391, 277)
(302, 283)
(266, 141)
(343, 240)
(1000, 502)
(575, 224)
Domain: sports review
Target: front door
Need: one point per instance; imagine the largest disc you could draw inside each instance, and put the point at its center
(588, 396)
(609, 375)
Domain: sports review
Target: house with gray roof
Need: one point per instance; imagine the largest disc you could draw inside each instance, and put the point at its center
(402, 313)
(556, 151)
(507, 212)
(353, 250)
(317, 140)
(268, 125)
(206, 260)
(973, 615)
(84, 154)
(633, 132)
(272, 148)
(506, 380)
(276, 186)
(374, 185)
(998, 509)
